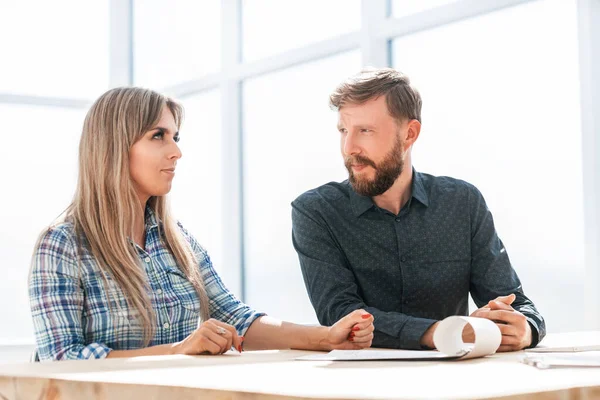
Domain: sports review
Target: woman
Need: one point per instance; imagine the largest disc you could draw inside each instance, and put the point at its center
(118, 277)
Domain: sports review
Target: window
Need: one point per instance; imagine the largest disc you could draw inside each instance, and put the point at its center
(58, 48)
(175, 41)
(39, 176)
(271, 26)
(291, 145)
(501, 110)
(196, 193)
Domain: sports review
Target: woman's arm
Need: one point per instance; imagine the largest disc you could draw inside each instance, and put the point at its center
(354, 331)
(56, 299)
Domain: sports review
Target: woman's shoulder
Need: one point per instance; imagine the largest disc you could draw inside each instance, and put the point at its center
(194, 244)
(61, 234)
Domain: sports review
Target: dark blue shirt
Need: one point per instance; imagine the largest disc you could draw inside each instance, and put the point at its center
(408, 270)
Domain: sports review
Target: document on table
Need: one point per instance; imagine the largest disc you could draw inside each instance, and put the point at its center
(580, 359)
(447, 339)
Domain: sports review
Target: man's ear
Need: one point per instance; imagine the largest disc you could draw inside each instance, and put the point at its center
(413, 130)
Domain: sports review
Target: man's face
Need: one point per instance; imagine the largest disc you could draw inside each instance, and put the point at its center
(372, 146)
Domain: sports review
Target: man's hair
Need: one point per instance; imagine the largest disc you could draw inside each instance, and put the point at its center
(402, 99)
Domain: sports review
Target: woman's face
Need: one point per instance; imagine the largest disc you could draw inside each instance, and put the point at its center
(152, 159)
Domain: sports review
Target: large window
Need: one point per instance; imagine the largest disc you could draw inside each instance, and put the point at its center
(38, 160)
(291, 145)
(175, 41)
(501, 110)
(54, 48)
(196, 196)
(271, 26)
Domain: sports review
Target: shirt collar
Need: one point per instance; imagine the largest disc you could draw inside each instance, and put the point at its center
(418, 189)
(360, 204)
(151, 220)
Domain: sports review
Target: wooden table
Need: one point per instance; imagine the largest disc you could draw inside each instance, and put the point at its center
(276, 375)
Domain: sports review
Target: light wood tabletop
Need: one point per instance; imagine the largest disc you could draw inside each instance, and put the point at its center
(277, 375)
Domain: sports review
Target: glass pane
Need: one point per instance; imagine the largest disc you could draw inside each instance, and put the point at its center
(196, 193)
(40, 173)
(287, 122)
(503, 113)
(175, 41)
(272, 26)
(402, 8)
(48, 51)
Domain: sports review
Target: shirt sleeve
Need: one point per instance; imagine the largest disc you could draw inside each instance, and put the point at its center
(223, 305)
(492, 274)
(333, 290)
(56, 300)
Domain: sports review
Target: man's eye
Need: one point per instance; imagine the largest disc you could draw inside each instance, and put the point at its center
(176, 139)
(158, 135)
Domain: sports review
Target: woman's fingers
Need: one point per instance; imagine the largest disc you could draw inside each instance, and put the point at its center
(236, 340)
(222, 337)
(359, 330)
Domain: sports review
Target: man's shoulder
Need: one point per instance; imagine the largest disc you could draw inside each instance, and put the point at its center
(446, 185)
(329, 194)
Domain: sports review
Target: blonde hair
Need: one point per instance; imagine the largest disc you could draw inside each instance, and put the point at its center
(106, 205)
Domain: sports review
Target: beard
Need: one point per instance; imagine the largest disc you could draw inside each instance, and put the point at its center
(386, 172)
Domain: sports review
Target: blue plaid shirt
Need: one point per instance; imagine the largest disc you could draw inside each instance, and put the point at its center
(72, 318)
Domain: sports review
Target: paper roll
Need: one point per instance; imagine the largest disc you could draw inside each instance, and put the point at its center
(448, 337)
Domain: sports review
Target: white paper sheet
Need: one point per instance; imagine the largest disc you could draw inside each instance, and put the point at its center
(447, 339)
(543, 361)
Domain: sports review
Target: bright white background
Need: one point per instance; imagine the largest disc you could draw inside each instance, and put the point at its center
(503, 108)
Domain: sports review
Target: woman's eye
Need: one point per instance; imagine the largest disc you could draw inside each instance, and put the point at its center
(158, 135)
(176, 139)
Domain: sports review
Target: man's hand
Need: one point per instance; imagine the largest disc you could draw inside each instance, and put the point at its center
(516, 332)
(427, 338)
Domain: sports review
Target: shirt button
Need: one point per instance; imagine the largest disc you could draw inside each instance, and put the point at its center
(147, 259)
(166, 325)
(403, 258)
(397, 219)
(159, 291)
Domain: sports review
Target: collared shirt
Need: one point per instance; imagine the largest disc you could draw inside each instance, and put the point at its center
(409, 270)
(72, 316)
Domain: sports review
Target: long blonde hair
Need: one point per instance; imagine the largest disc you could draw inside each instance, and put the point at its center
(106, 205)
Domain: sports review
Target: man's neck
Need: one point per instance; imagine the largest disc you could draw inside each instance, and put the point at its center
(397, 195)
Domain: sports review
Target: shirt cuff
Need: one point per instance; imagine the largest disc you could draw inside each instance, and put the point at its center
(94, 351)
(412, 332)
(248, 321)
(535, 333)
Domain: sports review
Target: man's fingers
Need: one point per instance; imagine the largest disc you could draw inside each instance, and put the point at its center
(510, 341)
(507, 330)
(498, 305)
(503, 316)
(506, 299)
(505, 348)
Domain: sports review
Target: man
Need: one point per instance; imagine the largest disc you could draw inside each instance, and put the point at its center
(407, 247)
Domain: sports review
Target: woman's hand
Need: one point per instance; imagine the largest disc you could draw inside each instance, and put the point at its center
(354, 331)
(212, 337)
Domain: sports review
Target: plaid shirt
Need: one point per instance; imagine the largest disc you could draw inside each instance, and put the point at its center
(72, 318)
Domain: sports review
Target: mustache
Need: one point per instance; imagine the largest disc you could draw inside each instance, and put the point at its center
(352, 160)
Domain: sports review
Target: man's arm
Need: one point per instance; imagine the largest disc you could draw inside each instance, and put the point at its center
(492, 275)
(333, 289)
